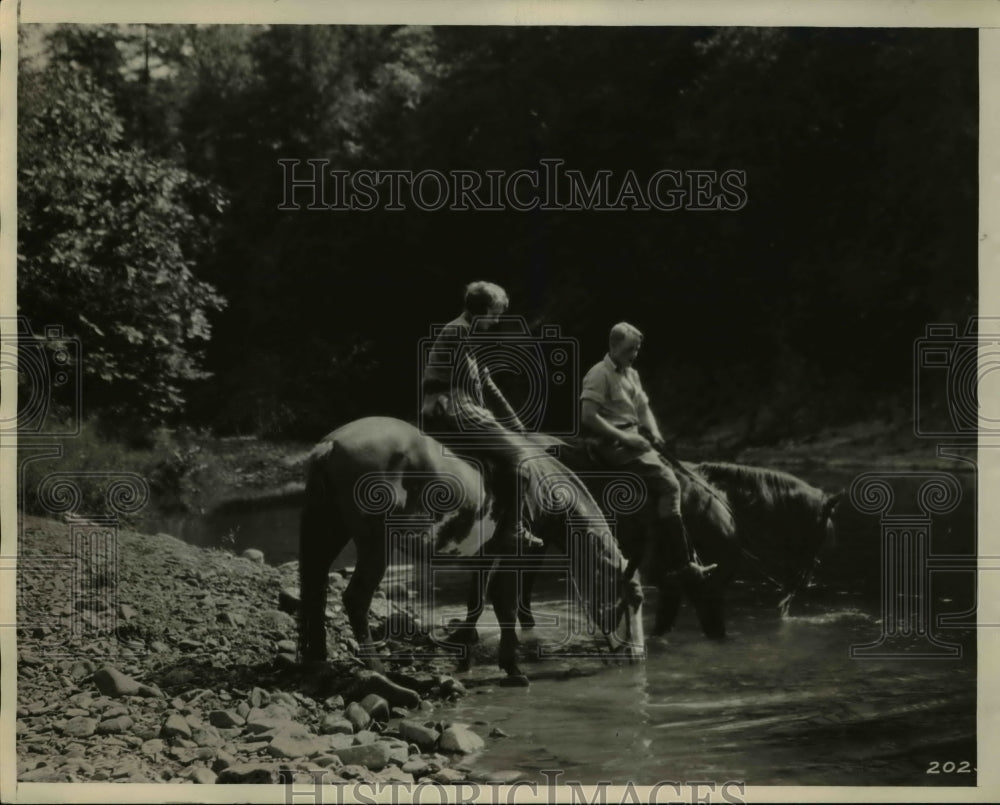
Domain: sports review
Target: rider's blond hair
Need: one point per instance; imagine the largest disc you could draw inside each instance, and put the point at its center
(480, 296)
(624, 330)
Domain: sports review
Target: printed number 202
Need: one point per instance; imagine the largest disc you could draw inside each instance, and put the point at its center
(948, 767)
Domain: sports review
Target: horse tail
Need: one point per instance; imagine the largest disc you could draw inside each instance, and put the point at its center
(322, 534)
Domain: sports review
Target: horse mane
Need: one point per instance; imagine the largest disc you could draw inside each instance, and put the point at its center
(540, 469)
(544, 468)
(564, 513)
(759, 487)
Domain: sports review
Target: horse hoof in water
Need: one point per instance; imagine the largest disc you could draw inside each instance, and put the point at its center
(516, 680)
(713, 627)
(659, 630)
(623, 655)
(618, 657)
(657, 641)
(464, 663)
(784, 605)
(464, 634)
(526, 621)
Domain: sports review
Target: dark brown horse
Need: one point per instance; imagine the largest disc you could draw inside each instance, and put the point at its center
(738, 517)
(777, 526)
(370, 478)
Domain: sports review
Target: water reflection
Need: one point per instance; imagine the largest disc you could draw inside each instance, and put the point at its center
(779, 702)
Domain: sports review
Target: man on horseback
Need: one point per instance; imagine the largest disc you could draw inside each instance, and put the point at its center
(454, 408)
(615, 409)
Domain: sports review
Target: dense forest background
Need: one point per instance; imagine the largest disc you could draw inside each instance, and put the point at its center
(149, 226)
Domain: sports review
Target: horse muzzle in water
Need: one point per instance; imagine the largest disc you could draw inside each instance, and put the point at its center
(627, 636)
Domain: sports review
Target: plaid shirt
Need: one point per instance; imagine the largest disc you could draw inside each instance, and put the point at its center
(451, 367)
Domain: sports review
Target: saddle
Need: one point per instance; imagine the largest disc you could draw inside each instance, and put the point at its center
(579, 453)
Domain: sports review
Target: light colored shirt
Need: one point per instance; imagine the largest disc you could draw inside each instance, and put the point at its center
(617, 392)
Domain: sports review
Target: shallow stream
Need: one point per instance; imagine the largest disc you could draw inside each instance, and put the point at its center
(781, 701)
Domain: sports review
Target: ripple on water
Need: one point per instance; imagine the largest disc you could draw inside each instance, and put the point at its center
(832, 616)
(780, 694)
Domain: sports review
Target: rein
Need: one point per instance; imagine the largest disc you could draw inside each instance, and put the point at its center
(754, 560)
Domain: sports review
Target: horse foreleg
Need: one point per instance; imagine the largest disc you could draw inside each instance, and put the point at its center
(524, 613)
(528, 576)
(649, 552)
(323, 534)
(465, 632)
(668, 604)
(313, 582)
(358, 597)
(709, 605)
(503, 590)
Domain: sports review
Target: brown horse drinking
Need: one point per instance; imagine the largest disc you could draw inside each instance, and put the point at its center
(378, 468)
(737, 517)
(774, 524)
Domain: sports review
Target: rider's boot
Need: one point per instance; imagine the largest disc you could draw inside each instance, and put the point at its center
(680, 557)
(511, 537)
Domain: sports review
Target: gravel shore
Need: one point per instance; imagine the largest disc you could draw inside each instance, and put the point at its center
(158, 661)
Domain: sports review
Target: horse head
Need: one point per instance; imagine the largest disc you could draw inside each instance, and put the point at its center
(827, 511)
(816, 530)
(782, 522)
(566, 516)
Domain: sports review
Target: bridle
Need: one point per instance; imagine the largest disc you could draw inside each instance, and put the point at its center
(790, 590)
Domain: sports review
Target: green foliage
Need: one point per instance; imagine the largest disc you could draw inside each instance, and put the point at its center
(167, 461)
(859, 148)
(109, 242)
(139, 66)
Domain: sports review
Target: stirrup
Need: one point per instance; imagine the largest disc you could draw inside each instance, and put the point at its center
(522, 540)
(691, 570)
(698, 570)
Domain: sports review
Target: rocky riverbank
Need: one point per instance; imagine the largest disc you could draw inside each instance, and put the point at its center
(157, 661)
